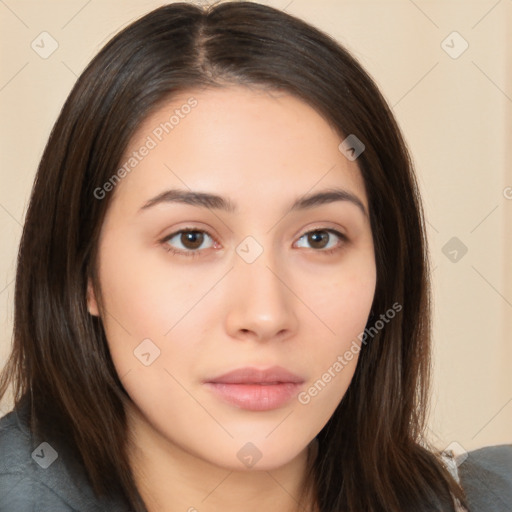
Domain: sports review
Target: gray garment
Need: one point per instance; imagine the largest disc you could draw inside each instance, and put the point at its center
(36, 479)
(486, 477)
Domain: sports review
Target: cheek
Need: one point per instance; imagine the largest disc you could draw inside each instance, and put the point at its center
(344, 299)
(140, 305)
(156, 316)
(342, 308)
(141, 290)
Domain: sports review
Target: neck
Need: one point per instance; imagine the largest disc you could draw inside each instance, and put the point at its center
(169, 478)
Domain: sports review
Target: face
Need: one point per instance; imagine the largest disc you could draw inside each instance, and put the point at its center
(233, 320)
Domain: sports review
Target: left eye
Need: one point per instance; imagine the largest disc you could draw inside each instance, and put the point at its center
(320, 238)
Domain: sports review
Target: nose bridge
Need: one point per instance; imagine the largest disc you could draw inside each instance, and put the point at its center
(260, 301)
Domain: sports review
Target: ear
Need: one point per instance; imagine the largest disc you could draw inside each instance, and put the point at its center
(92, 304)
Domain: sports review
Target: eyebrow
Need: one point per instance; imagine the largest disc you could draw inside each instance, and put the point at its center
(214, 201)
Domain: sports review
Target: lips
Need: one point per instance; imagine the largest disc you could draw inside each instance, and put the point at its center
(255, 389)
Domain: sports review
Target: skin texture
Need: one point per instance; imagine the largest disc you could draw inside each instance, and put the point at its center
(294, 306)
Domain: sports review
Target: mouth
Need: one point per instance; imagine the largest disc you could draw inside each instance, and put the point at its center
(256, 390)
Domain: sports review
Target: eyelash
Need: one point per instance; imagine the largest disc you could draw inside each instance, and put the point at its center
(197, 252)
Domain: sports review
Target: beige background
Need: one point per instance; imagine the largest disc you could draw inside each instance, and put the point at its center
(456, 114)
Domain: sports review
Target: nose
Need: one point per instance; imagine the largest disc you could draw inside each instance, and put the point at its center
(261, 303)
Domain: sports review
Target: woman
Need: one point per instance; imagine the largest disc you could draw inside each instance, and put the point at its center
(226, 305)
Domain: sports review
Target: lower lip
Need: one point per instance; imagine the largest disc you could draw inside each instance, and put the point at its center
(255, 397)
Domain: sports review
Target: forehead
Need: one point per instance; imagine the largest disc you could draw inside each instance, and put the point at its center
(240, 142)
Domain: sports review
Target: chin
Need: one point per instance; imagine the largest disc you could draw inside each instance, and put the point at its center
(257, 455)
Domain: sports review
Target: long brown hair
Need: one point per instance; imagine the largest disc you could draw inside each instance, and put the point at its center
(372, 454)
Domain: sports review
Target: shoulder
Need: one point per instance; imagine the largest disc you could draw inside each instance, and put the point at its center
(486, 477)
(36, 477)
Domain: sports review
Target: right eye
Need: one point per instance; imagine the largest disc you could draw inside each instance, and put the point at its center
(190, 239)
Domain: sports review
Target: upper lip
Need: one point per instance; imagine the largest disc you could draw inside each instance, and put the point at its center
(250, 375)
